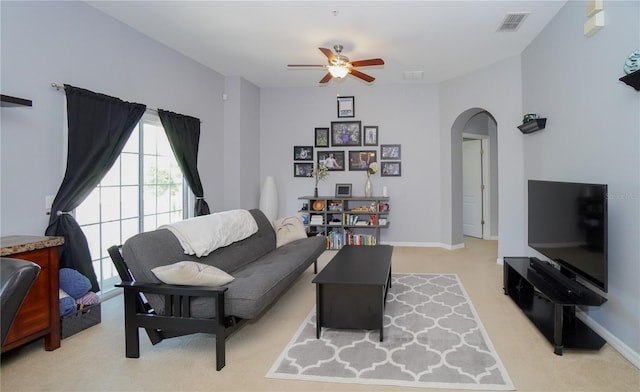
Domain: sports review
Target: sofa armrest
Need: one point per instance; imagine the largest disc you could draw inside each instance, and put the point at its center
(177, 317)
(177, 297)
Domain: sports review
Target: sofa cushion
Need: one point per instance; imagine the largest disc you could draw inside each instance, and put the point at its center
(155, 248)
(191, 273)
(289, 229)
(258, 284)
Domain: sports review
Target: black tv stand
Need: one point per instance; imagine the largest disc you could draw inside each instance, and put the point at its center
(549, 271)
(549, 299)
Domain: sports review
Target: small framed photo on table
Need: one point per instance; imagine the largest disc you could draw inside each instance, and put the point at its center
(343, 190)
(346, 107)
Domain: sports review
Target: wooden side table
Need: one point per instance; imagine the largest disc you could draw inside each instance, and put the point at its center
(39, 315)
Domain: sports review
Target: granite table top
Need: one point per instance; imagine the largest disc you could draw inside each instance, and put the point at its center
(14, 244)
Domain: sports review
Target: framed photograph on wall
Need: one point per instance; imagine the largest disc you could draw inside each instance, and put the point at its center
(389, 151)
(333, 160)
(322, 137)
(360, 160)
(346, 133)
(391, 169)
(346, 107)
(343, 190)
(303, 153)
(302, 169)
(370, 135)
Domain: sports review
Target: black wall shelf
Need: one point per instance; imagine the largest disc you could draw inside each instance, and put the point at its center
(8, 101)
(633, 79)
(533, 125)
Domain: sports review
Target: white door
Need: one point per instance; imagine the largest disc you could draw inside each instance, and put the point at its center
(472, 188)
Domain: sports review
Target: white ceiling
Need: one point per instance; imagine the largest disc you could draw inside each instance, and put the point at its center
(257, 39)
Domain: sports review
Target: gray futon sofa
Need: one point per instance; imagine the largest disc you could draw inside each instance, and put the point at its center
(261, 273)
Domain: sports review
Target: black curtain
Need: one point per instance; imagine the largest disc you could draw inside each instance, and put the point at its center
(99, 126)
(183, 133)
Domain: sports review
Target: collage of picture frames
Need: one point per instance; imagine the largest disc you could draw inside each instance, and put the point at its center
(350, 134)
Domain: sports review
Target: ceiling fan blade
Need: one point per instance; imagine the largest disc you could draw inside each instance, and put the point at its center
(363, 76)
(328, 53)
(364, 63)
(305, 65)
(326, 78)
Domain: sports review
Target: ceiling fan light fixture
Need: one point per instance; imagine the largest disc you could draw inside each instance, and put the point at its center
(338, 71)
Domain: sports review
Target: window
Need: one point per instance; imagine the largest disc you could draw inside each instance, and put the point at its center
(143, 190)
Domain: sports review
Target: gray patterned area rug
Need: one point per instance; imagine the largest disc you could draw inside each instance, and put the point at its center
(432, 338)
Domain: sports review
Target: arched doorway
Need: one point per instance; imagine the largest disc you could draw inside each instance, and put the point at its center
(474, 124)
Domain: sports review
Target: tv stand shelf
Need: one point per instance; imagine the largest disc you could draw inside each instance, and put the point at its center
(550, 305)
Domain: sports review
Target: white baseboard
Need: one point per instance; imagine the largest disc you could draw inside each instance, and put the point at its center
(454, 247)
(616, 343)
(425, 245)
(500, 261)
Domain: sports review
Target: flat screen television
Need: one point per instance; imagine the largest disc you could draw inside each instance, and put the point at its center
(568, 224)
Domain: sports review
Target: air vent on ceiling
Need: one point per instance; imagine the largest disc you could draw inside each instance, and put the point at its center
(512, 21)
(413, 75)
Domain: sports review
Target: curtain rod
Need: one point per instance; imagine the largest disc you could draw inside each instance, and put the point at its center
(59, 87)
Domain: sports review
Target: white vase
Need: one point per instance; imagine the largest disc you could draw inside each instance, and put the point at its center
(368, 189)
(269, 198)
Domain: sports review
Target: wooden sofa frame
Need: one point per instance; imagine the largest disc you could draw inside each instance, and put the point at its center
(178, 321)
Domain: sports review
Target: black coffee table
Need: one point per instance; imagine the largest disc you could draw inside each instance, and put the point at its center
(351, 290)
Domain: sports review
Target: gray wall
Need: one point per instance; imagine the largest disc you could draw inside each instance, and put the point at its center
(241, 144)
(592, 135)
(492, 129)
(70, 42)
(495, 89)
(405, 114)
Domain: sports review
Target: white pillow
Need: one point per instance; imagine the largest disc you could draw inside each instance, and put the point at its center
(289, 229)
(190, 273)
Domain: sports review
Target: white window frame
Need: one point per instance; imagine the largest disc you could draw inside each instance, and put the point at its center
(99, 260)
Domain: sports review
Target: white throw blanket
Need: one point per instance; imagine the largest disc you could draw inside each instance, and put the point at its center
(203, 234)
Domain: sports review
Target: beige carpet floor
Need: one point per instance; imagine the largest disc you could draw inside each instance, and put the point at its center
(93, 360)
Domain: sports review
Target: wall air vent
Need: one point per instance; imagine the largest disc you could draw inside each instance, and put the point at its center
(512, 21)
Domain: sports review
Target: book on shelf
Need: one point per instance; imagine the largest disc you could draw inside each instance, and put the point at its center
(316, 220)
(335, 240)
(359, 239)
(357, 220)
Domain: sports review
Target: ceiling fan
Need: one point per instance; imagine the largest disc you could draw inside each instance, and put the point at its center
(339, 65)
